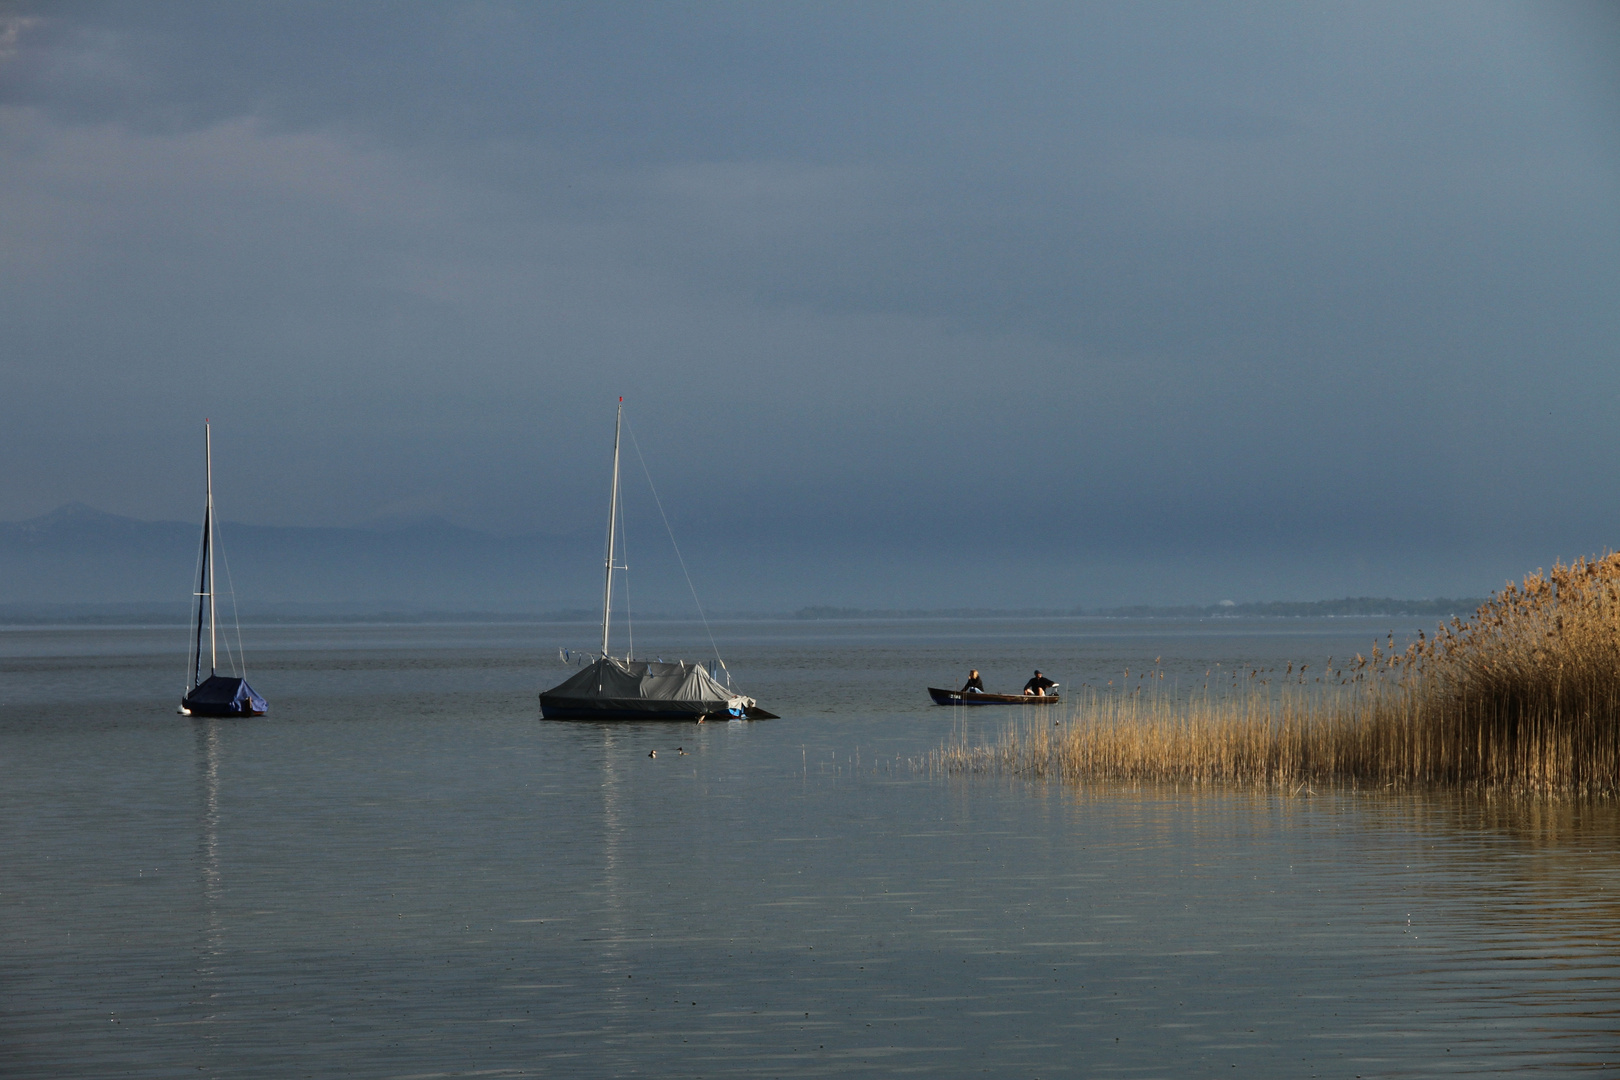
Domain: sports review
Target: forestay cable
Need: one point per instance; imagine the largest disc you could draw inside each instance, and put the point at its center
(239, 661)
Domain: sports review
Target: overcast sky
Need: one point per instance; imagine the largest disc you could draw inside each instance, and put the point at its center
(909, 303)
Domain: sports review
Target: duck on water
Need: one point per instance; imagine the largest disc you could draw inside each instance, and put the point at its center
(615, 688)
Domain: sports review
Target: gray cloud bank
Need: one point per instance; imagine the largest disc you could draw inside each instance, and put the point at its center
(1121, 304)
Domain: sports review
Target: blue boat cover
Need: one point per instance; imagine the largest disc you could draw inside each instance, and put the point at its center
(225, 695)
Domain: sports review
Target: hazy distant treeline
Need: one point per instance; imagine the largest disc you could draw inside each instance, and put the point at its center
(158, 614)
(1442, 607)
(1350, 606)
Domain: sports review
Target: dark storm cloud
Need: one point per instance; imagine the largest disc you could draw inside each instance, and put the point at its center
(1173, 298)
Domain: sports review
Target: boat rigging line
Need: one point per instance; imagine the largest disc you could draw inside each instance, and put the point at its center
(239, 661)
(193, 624)
(678, 557)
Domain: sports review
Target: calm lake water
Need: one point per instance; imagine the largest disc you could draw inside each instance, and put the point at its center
(403, 872)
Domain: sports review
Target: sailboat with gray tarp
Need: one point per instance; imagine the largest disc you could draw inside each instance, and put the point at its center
(615, 688)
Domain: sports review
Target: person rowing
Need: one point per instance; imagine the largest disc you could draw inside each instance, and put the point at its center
(974, 685)
(1039, 685)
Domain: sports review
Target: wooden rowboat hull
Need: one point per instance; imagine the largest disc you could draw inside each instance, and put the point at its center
(956, 697)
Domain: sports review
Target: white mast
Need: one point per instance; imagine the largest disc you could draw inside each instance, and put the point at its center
(613, 522)
(213, 646)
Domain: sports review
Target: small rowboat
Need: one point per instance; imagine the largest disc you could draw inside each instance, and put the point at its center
(956, 697)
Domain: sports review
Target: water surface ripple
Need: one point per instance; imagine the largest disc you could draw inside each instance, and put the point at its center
(402, 872)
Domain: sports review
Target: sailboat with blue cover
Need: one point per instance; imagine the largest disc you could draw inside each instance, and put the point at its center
(615, 688)
(216, 695)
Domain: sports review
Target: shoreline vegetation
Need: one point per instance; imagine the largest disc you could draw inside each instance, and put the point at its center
(1521, 698)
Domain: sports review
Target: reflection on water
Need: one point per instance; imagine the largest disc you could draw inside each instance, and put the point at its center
(211, 949)
(405, 873)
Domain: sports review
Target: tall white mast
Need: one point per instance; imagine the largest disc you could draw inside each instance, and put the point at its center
(213, 646)
(613, 523)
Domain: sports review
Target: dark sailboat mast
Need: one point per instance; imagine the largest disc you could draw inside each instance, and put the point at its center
(205, 578)
(202, 599)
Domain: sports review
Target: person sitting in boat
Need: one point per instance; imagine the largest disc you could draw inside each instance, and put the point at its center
(975, 685)
(1039, 684)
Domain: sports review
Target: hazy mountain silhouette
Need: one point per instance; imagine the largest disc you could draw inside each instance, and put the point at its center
(77, 554)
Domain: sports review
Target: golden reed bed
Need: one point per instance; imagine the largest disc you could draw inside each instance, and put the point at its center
(1524, 697)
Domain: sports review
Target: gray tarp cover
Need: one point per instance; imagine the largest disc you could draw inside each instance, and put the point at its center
(636, 685)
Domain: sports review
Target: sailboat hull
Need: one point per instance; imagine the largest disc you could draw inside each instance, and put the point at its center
(190, 708)
(223, 695)
(633, 709)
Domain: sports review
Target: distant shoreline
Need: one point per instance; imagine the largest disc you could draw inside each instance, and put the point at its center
(1349, 607)
(128, 614)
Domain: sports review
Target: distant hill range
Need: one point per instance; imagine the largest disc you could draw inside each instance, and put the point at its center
(81, 563)
(1349, 607)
